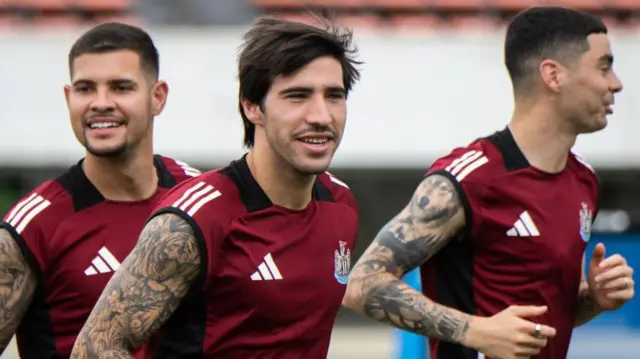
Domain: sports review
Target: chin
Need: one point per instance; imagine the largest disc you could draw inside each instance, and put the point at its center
(106, 151)
(312, 166)
(600, 124)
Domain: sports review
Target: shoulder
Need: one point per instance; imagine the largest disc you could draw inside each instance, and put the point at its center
(584, 171)
(41, 208)
(207, 192)
(480, 161)
(580, 165)
(179, 170)
(338, 189)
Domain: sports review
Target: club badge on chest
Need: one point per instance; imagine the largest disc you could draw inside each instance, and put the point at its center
(586, 218)
(342, 259)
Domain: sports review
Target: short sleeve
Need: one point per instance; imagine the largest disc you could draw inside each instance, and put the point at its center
(463, 167)
(198, 202)
(25, 221)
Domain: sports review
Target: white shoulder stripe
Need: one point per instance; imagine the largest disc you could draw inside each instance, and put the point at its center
(337, 181)
(472, 167)
(25, 211)
(19, 207)
(460, 159)
(584, 162)
(187, 193)
(195, 197)
(202, 202)
(467, 163)
(188, 170)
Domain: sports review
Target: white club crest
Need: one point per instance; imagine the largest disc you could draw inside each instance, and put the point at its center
(342, 259)
(586, 218)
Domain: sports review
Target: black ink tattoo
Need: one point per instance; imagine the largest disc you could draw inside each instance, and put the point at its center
(17, 285)
(432, 218)
(587, 306)
(144, 292)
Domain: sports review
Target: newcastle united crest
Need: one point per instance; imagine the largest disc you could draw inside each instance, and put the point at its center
(586, 218)
(342, 258)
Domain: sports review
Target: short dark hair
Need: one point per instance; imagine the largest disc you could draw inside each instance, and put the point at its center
(546, 32)
(114, 36)
(274, 47)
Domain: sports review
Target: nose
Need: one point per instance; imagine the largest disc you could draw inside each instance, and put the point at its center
(102, 101)
(319, 113)
(616, 84)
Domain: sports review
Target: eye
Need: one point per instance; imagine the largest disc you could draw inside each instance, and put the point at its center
(82, 89)
(122, 88)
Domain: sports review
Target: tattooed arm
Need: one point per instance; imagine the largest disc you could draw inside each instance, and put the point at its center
(431, 219)
(144, 292)
(587, 306)
(17, 285)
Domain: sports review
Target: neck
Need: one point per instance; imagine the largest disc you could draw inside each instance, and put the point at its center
(540, 135)
(131, 178)
(282, 184)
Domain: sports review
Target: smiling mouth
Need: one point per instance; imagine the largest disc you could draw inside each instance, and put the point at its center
(100, 125)
(315, 140)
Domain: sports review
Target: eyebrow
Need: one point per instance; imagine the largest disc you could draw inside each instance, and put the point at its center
(114, 82)
(308, 90)
(606, 59)
(297, 89)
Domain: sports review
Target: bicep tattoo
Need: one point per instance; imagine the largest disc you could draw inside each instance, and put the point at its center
(432, 218)
(145, 291)
(17, 285)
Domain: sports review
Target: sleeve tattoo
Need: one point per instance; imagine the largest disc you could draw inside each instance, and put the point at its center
(17, 285)
(144, 292)
(432, 218)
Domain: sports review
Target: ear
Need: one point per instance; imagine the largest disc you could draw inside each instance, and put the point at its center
(553, 74)
(159, 92)
(67, 93)
(252, 111)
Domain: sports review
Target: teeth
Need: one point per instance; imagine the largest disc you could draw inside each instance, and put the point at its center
(103, 125)
(315, 141)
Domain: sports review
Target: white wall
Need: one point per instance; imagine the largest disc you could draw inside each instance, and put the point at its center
(419, 96)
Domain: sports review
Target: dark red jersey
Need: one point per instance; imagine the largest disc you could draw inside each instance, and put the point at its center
(524, 240)
(272, 279)
(74, 239)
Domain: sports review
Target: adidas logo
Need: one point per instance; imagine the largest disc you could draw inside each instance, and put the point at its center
(267, 270)
(524, 227)
(105, 262)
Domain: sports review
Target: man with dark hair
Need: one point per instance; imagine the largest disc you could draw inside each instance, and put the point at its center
(251, 260)
(500, 226)
(60, 244)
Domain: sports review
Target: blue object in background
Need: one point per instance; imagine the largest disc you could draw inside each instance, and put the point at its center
(409, 345)
(623, 325)
(628, 245)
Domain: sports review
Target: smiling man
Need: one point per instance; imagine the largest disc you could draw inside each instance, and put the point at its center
(500, 226)
(251, 260)
(60, 244)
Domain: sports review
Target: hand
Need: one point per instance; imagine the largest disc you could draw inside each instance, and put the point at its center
(507, 335)
(610, 279)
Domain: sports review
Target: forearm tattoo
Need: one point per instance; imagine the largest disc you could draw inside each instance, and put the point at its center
(144, 292)
(432, 218)
(587, 306)
(17, 285)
